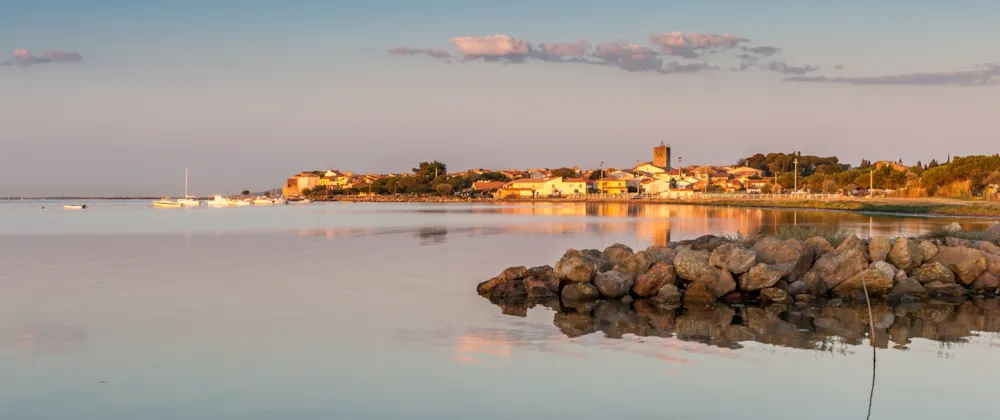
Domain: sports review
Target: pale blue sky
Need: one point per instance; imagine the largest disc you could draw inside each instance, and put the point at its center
(248, 93)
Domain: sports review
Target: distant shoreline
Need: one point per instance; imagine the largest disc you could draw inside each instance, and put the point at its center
(887, 206)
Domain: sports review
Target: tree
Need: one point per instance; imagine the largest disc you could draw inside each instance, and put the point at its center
(564, 173)
(245, 192)
(443, 189)
(830, 186)
(491, 176)
(430, 170)
(595, 175)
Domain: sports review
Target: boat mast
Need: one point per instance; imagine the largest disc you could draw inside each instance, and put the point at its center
(185, 182)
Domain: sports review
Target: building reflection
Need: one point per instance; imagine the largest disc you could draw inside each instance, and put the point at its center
(657, 224)
(46, 339)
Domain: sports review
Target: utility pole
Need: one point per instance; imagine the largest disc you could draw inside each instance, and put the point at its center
(871, 183)
(796, 175)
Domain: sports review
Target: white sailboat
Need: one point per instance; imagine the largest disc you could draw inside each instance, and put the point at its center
(220, 201)
(187, 201)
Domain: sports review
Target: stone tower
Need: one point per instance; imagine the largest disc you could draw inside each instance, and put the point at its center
(661, 156)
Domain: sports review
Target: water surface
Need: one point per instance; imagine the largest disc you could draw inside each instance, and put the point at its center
(368, 311)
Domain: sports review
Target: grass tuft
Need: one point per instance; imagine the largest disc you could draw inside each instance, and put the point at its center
(834, 236)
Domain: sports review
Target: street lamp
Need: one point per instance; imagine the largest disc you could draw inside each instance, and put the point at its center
(796, 175)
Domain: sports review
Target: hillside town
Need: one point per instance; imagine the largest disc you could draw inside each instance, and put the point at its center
(661, 178)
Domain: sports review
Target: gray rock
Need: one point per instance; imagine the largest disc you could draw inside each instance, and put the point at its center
(877, 283)
(773, 251)
(986, 282)
(927, 250)
(805, 261)
(774, 295)
(853, 242)
(814, 284)
(656, 277)
(667, 295)
(661, 254)
(992, 264)
(966, 263)
(719, 281)
(952, 227)
(945, 290)
(580, 292)
(635, 265)
(698, 293)
(911, 288)
(798, 288)
(820, 245)
(904, 254)
(613, 284)
(952, 241)
(843, 263)
(988, 248)
(691, 265)
(761, 276)
(733, 257)
(704, 243)
(884, 267)
(617, 253)
(576, 267)
(933, 272)
(492, 286)
(878, 248)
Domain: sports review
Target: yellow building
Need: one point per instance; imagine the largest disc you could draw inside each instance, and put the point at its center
(295, 185)
(612, 186)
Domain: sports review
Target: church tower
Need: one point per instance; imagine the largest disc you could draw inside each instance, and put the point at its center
(661, 156)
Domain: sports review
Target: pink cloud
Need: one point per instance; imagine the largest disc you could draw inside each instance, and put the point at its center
(494, 46)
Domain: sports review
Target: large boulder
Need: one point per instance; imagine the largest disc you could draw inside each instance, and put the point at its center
(733, 257)
(952, 227)
(992, 264)
(986, 282)
(541, 282)
(580, 292)
(698, 293)
(909, 289)
(577, 267)
(774, 295)
(966, 263)
(876, 282)
(815, 285)
(988, 248)
(761, 276)
(774, 251)
(932, 272)
(945, 290)
(659, 253)
(613, 284)
(927, 250)
(819, 245)
(649, 284)
(885, 267)
(635, 264)
(704, 243)
(668, 295)
(691, 265)
(493, 287)
(853, 242)
(805, 261)
(719, 281)
(878, 248)
(905, 255)
(616, 253)
(841, 264)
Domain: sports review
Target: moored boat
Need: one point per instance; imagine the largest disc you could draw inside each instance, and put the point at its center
(262, 201)
(165, 203)
(75, 206)
(220, 201)
(187, 201)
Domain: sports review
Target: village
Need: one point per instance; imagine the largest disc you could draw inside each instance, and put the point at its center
(787, 175)
(657, 178)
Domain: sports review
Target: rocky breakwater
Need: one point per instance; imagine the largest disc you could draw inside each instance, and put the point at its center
(764, 269)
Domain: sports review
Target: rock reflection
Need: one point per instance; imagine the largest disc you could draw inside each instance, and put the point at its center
(828, 328)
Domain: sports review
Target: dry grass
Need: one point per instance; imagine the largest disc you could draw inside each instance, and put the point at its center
(834, 236)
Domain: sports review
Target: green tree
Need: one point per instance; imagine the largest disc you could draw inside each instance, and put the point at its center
(443, 189)
(595, 175)
(564, 172)
(245, 192)
(491, 176)
(430, 170)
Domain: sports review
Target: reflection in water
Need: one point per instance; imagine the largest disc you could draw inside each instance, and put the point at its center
(657, 224)
(45, 339)
(432, 235)
(829, 328)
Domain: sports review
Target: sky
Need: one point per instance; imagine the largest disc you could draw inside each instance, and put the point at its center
(116, 97)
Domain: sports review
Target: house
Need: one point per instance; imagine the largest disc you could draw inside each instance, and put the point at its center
(649, 169)
(295, 185)
(745, 172)
(655, 187)
(487, 187)
(551, 187)
(612, 186)
(570, 186)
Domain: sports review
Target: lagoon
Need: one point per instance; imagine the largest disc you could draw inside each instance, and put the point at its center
(368, 311)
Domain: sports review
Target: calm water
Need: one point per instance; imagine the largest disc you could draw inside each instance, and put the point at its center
(367, 311)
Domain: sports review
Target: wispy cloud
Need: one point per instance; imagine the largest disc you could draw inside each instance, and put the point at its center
(763, 50)
(783, 67)
(438, 53)
(23, 57)
(988, 74)
(692, 44)
(492, 48)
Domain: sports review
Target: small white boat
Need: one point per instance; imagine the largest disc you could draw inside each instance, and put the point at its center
(279, 200)
(220, 201)
(243, 203)
(75, 206)
(187, 201)
(262, 201)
